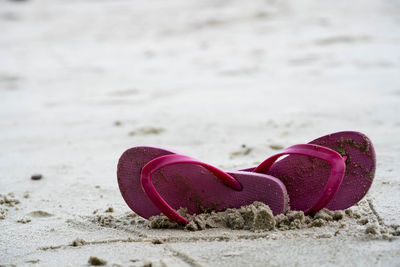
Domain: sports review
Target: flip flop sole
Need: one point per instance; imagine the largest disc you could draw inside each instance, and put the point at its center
(192, 186)
(305, 177)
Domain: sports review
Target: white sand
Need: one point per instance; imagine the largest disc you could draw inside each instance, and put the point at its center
(203, 78)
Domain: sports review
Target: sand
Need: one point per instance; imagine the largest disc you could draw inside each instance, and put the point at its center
(258, 217)
(96, 261)
(227, 82)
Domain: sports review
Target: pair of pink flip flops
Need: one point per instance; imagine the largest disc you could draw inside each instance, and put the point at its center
(334, 171)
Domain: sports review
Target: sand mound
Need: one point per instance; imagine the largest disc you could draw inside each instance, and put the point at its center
(256, 216)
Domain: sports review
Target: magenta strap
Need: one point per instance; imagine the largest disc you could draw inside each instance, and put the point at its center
(336, 161)
(167, 160)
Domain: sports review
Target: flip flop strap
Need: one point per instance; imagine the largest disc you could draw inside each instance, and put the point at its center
(336, 161)
(163, 161)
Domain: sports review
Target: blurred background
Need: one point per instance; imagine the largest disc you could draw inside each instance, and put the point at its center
(227, 82)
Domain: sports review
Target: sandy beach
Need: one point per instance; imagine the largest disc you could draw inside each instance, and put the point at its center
(226, 82)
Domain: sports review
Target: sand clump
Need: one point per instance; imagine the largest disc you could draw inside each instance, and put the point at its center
(78, 242)
(3, 213)
(105, 220)
(254, 217)
(109, 209)
(95, 261)
(108, 220)
(371, 229)
(7, 201)
(24, 220)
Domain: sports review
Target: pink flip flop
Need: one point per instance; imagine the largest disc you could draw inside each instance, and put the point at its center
(306, 177)
(154, 180)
